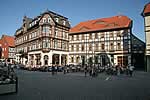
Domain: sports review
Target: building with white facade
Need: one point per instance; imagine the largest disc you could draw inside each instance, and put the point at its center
(105, 41)
(43, 40)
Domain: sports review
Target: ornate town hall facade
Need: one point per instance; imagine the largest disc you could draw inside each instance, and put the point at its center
(105, 41)
(43, 40)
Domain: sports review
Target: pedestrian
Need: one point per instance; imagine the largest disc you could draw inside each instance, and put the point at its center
(131, 70)
(65, 69)
(90, 71)
(53, 69)
(56, 68)
(118, 69)
(85, 70)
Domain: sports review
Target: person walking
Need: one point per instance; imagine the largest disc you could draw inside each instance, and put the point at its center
(131, 70)
(53, 69)
(85, 70)
(64, 69)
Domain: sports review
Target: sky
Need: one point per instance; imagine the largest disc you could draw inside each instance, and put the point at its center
(12, 12)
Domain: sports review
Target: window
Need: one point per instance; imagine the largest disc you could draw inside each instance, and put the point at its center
(90, 36)
(66, 36)
(29, 36)
(77, 59)
(35, 22)
(102, 46)
(55, 43)
(44, 20)
(118, 46)
(30, 25)
(82, 47)
(46, 29)
(111, 46)
(77, 47)
(46, 43)
(34, 34)
(63, 45)
(77, 36)
(72, 60)
(126, 45)
(96, 47)
(96, 35)
(82, 36)
(26, 37)
(90, 47)
(111, 35)
(56, 33)
(72, 48)
(63, 35)
(49, 20)
(64, 22)
(72, 37)
(57, 19)
(25, 49)
(118, 34)
(102, 35)
(46, 59)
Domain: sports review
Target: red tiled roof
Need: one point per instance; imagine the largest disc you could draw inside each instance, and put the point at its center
(102, 24)
(146, 9)
(10, 40)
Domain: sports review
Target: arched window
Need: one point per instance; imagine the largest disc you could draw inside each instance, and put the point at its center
(72, 59)
(111, 46)
(46, 60)
(77, 59)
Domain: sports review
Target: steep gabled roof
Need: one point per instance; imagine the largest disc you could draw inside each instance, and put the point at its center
(102, 24)
(53, 15)
(146, 9)
(10, 40)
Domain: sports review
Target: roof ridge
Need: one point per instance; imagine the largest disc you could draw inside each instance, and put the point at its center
(104, 18)
(114, 22)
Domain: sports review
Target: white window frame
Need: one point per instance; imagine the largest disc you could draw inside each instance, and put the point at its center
(64, 22)
(44, 20)
(49, 20)
(57, 20)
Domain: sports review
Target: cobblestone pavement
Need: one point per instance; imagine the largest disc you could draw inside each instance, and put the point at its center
(74, 86)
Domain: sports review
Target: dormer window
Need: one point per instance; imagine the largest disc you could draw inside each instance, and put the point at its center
(57, 20)
(44, 20)
(35, 22)
(64, 22)
(30, 25)
(49, 20)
